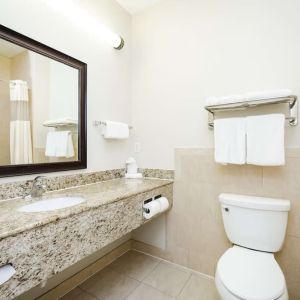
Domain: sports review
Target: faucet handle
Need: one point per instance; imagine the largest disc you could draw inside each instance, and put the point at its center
(39, 177)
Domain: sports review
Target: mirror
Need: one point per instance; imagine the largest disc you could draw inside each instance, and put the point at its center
(42, 107)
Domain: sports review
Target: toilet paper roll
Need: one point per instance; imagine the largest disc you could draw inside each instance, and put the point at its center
(6, 272)
(164, 203)
(153, 207)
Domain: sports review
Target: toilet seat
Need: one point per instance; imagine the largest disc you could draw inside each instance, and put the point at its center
(250, 274)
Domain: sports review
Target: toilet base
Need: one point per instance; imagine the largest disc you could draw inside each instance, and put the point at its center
(226, 295)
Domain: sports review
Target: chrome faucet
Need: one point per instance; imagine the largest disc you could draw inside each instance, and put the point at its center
(37, 189)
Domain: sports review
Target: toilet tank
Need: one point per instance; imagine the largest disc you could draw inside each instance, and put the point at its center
(255, 222)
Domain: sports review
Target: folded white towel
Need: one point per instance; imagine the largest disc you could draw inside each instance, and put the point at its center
(115, 130)
(268, 94)
(230, 140)
(59, 144)
(62, 121)
(265, 140)
(224, 100)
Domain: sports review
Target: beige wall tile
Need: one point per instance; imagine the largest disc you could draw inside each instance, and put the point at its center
(172, 253)
(198, 182)
(289, 260)
(293, 195)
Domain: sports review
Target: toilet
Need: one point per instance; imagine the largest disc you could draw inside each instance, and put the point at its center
(256, 226)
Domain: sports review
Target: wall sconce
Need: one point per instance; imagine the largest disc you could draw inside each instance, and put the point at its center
(83, 20)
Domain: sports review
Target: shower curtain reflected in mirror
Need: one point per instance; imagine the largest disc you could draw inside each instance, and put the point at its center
(20, 127)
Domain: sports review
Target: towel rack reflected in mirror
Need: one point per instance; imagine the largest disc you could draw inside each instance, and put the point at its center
(99, 123)
(290, 100)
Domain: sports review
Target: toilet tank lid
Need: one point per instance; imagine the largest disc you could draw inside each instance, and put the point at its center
(260, 203)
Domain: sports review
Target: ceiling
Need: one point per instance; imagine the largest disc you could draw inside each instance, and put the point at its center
(9, 50)
(136, 6)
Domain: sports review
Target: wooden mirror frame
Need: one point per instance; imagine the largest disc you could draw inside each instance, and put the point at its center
(30, 44)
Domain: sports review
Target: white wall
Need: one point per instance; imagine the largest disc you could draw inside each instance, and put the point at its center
(63, 92)
(108, 69)
(184, 51)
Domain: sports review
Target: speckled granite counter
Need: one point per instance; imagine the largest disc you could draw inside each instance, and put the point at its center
(42, 244)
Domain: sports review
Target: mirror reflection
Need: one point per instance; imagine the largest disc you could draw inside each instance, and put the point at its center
(38, 108)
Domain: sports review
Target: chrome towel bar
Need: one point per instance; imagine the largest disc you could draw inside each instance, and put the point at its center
(290, 100)
(99, 123)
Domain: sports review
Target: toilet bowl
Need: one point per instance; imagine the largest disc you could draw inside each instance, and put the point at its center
(247, 274)
(256, 226)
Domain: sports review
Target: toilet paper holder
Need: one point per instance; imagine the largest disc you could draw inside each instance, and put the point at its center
(147, 210)
(155, 205)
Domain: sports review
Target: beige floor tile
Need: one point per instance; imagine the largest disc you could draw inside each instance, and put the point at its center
(135, 265)
(168, 279)
(199, 288)
(109, 285)
(145, 292)
(78, 294)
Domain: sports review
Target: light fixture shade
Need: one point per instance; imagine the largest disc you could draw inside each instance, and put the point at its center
(121, 44)
(83, 20)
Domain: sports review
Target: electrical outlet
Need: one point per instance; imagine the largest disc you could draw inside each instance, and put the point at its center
(137, 147)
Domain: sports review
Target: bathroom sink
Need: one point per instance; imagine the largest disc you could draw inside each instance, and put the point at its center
(51, 204)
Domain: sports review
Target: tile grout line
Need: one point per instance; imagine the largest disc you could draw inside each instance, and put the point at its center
(161, 261)
(126, 275)
(178, 266)
(151, 271)
(184, 285)
(87, 292)
(162, 292)
(140, 283)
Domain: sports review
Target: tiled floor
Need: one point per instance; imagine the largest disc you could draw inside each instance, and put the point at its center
(136, 276)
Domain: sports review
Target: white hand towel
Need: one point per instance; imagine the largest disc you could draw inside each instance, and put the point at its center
(265, 140)
(230, 140)
(268, 94)
(59, 144)
(115, 130)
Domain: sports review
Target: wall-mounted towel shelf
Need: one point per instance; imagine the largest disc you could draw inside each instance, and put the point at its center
(99, 123)
(290, 100)
(60, 123)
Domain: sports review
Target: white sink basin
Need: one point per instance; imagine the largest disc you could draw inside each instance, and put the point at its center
(51, 204)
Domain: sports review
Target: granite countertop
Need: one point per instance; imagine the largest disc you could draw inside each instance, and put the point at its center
(13, 222)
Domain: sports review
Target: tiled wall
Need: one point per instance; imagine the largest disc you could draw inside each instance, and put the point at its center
(202, 240)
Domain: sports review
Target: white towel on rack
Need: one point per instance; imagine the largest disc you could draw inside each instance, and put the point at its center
(60, 122)
(115, 130)
(265, 140)
(224, 100)
(59, 144)
(268, 94)
(230, 140)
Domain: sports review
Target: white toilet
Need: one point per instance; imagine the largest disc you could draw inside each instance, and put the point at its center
(256, 226)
